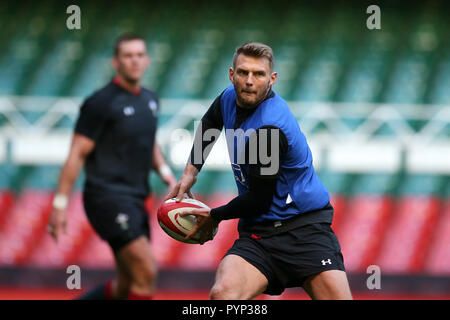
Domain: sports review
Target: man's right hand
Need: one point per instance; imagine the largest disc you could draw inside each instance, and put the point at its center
(81, 147)
(57, 223)
(184, 185)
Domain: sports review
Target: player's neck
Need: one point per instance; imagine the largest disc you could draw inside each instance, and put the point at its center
(133, 87)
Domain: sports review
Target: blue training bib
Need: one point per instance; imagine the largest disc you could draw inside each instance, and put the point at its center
(298, 188)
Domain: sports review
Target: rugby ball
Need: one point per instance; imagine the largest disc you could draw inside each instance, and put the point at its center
(177, 226)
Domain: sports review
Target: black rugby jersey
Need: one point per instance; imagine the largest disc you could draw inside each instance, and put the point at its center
(123, 126)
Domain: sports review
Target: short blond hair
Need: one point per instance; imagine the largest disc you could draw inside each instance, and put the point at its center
(254, 49)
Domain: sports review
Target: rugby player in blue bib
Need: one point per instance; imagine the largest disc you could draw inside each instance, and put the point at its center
(285, 236)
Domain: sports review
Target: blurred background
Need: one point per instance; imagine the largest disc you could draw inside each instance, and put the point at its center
(373, 104)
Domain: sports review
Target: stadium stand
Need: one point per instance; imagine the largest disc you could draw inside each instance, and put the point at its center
(439, 253)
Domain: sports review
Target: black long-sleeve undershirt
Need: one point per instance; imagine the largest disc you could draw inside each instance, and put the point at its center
(258, 198)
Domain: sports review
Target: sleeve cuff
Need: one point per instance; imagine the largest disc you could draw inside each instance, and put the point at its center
(215, 214)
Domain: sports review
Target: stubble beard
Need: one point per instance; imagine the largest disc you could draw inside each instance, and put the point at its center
(251, 104)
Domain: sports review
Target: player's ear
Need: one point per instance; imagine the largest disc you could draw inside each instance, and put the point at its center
(114, 62)
(273, 78)
(231, 74)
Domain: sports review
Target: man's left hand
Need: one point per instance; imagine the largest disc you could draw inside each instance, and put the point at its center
(205, 223)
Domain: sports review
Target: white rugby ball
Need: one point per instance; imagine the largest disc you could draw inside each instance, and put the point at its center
(177, 226)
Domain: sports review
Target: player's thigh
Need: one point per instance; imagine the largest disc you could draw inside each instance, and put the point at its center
(328, 285)
(236, 278)
(137, 259)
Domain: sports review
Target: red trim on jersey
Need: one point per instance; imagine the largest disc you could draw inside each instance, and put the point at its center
(117, 82)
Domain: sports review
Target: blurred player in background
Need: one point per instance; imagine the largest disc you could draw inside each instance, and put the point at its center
(114, 139)
(285, 236)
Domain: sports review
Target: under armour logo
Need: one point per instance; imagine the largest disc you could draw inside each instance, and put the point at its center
(128, 111)
(324, 262)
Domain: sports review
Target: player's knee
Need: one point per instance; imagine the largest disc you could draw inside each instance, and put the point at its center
(223, 291)
(217, 293)
(329, 285)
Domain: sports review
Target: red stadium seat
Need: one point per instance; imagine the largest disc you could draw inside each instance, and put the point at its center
(339, 204)
(25, 225)
(408, 235)
(96, 253)
(69, 246)
(438, 258)
(6, 202)
(152, 204)
(219, 199)
(361, 233)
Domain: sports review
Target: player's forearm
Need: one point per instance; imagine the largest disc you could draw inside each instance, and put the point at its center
(69, 174)
(159, 163)
(248, 204)
(256, 201)
(190, 170)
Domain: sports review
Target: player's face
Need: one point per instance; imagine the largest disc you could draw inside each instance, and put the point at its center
(131, 60)
(252, 79)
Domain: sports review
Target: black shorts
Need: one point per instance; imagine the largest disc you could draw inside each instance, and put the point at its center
(287, 259)
(118, 219)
